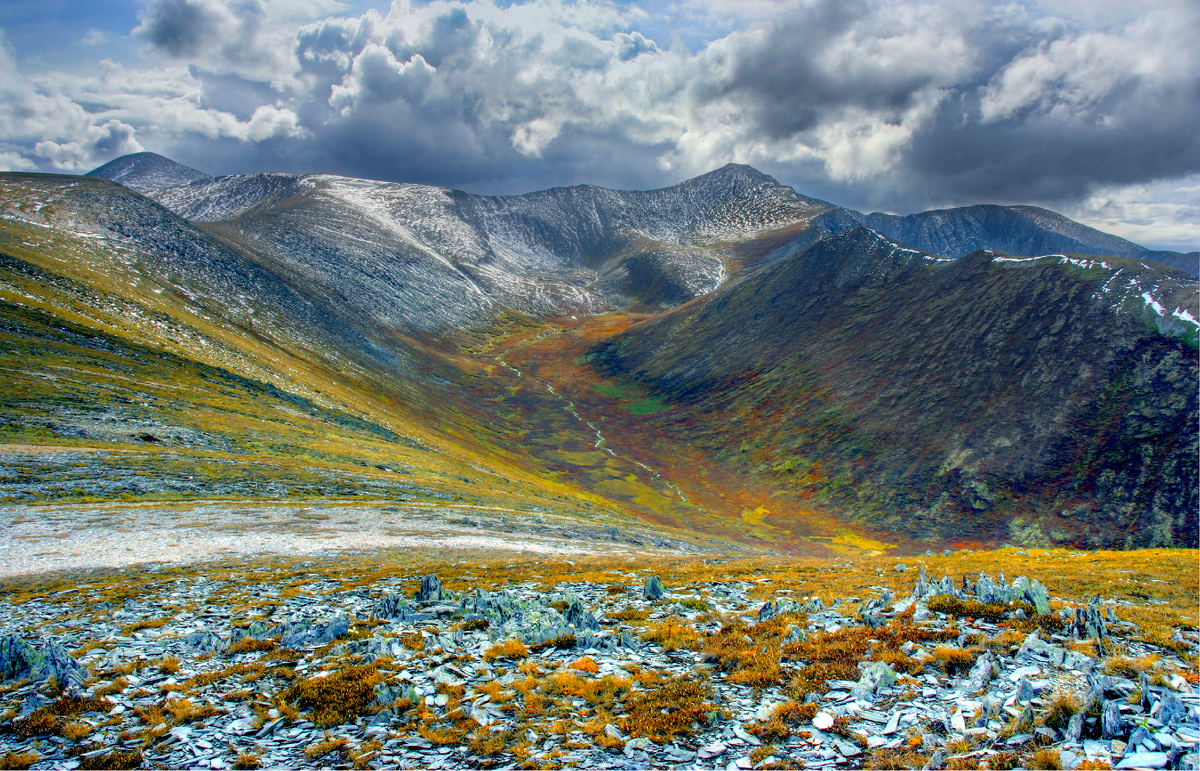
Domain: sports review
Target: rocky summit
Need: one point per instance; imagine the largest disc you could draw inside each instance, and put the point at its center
(721, 664)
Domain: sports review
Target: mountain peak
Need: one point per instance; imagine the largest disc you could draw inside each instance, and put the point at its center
(147, 171)
(734, 174)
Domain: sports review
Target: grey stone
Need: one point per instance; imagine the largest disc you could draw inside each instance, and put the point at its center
(21, 660)
(981, 672)
(203, 641)
(304, 633)
(815, 605)
(1074, 728)
(1171, 709)
(654, 589)
(1112, 725)
(578, 617)
(877, 675)
(1144, 760)
(1033, 644)
(393, 605)
(431, 589)
(32, 702)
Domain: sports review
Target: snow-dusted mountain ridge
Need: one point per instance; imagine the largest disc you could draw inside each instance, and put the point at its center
(424, 258)
(418, 257)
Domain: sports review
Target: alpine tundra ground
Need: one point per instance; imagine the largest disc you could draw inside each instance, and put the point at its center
(447, 658)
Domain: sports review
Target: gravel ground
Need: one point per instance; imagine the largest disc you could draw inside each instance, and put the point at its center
(36, 539)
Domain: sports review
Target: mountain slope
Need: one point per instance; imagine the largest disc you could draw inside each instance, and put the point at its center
(174, 367)
(981, 399)
(428, 259)
(145, 172)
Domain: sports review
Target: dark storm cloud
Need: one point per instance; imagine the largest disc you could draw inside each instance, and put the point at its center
(1026, 109)
(903, 104)
(783, 82)
(180, 28)
(1047, 156)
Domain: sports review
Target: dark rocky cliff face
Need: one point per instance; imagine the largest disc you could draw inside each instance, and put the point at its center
(981, 399)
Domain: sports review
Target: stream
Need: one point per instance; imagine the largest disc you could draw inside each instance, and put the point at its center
(569, 406)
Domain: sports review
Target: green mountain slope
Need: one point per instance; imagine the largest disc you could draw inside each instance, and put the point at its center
(143, 359)
(977, 400)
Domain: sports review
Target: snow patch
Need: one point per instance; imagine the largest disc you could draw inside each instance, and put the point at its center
(1181, 313)
(1153, 304)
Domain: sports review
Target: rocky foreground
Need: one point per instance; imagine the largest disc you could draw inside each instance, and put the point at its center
(304, 666)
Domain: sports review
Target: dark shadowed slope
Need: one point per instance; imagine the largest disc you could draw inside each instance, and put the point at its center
(981, 399)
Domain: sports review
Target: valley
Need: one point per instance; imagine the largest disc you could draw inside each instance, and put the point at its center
(715, 360)
(308, 471)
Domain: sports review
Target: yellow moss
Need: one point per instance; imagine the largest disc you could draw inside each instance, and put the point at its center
(18, 760)
(75, 731)
(666, 708)
(338, 698)
(120, 759)
(509, 649)
(672, 635)
(1045, 758)
(326, 746)
(186, 711)
(955, 661)
(1126, 666)
(252, 645)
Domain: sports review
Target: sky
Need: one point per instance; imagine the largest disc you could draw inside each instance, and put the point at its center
(1087, 107)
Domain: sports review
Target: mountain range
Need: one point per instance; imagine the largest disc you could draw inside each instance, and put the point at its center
(725, 356)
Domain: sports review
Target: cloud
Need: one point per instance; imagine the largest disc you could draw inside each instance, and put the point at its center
(94, 37)
(1162, 215)
(892, 104)
(182, 28)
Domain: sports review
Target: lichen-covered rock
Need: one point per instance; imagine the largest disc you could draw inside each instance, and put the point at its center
(654, 589)
(982, 671)
(431, 589)
(393, 605)
(299, 634)
(579, 617)
(877, 675)
(203, 641)
(20, 660)
(1112, 725)
(1034, 593)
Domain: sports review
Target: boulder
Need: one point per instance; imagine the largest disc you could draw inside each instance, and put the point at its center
(393, 605)
(431, 589)
(304, 633)
(204, 641)
(654, 589)
(1144, 760)
(20, 660)
(579, 617)
(1112, 725)
(982, 671)
(877, 675)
